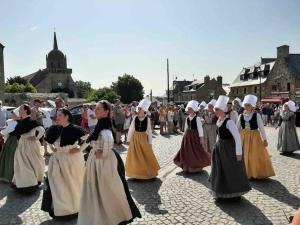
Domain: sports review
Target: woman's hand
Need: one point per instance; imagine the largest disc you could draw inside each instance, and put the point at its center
(266, 143)
(202, 141)
(74, 150)
(32, 138)
(99, 154)
(239, 157)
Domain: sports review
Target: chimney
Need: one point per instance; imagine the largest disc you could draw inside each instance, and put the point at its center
(283, 51)
(206, 79)
(1, 73)
(220, 80)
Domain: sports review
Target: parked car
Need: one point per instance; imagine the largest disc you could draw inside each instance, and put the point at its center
(9, 110)
(76, 113)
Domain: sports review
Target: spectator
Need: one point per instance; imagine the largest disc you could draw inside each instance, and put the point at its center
(175, 119)
(119, 119)
(170, 117)
(84, 118)
(92, 119)
(3, 116)
(59, 103)
(126, 122)
(182, 118)
(162, 119)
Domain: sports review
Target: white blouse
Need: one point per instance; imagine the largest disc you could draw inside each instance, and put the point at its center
(199, 125)
(231, 126)
(148, 131)
(260, 124)
(105, 142)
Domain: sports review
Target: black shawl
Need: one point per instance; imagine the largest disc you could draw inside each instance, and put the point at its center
(68, 135)
(25, 125)
(102, 124)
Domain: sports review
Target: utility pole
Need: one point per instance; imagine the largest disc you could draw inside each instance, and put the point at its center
(168, 77)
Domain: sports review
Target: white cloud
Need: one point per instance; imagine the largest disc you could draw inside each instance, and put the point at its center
(34, 28)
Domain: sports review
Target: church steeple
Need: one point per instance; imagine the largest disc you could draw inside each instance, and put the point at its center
(55, 42)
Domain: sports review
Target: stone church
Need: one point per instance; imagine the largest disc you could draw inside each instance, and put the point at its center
(275, 79)
(56, 77)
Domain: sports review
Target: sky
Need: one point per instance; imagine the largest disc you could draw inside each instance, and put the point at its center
(105, 39)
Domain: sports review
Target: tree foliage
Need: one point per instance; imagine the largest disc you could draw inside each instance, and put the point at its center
(16, 79)
(19, 88)
(103, 94)
(83, 89)
(129, 88)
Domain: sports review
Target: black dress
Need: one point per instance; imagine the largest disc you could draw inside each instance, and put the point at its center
(228, 176)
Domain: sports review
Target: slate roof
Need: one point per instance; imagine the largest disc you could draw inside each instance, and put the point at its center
(36, 77)
(249, 70)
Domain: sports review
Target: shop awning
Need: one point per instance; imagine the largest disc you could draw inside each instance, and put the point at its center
(274, 100)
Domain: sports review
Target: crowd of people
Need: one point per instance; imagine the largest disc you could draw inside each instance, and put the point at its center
(86, 177)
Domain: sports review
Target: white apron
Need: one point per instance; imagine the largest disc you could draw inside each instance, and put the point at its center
(65, 175)
(29, 164)
(103, 199)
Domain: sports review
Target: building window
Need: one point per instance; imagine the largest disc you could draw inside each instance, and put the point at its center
(255, 89)
(288, 86)
(245, 90)
(237, 91)
(274, 87)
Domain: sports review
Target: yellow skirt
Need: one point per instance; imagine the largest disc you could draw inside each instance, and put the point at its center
(256, 157)
(141, 162)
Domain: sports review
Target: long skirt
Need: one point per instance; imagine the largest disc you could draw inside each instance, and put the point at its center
(7, 159)
(105, 196)
(256, 157)
(61, 198)
(141, 162)
(210, 136)
(192, 157)
(228, 176)
(28, 165)
(288, 141)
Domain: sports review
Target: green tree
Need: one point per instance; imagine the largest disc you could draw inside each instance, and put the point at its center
(129, 88)
(103, 94)
(19, 88)
(16, 79)
(83, 89)
(29, 88)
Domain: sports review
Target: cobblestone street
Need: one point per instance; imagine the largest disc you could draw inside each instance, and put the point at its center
(179, 198)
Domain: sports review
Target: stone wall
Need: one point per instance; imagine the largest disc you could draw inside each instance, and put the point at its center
(52, 80)
(281, 82)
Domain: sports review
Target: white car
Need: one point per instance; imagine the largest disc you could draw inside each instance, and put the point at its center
(9, 110)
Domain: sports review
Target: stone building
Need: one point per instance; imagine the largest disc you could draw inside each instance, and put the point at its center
(275, 79)
(56, 76)
(200, 90)
(1, 72)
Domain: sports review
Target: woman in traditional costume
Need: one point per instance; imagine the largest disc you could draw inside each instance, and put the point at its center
(201, 109)
(28, 162)
(254, 141)
(228, 176)
(7, 155)
(288, 141)
(209, 126)
(141, 162)
(105, 196)
(63, 186)
(192, 157)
